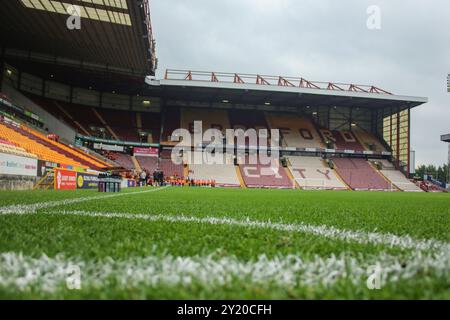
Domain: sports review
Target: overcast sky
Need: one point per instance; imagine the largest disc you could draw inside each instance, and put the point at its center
(322, 40)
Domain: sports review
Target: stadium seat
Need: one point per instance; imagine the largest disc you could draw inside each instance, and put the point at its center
(37, 143)
(32, 146)
(75, 154)
(223, 174)
(56, 109)
(123, 123)
(342, 140)
(397, 178)
(248, 119)
(148, 163)
(217, 119)
(171, 169)
(312, 173)
(151, 123)
(297, 132)
(359, 174)
(171, 123)
(123, 160)
(264, 175)
(11, 148)
(80, 117)
(369, 140)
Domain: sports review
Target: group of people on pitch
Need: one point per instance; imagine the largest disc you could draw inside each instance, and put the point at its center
(158, 179)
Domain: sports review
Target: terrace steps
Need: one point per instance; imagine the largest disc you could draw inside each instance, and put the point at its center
(291, 177)
(240, 178)
(136, 163)
(392, 186)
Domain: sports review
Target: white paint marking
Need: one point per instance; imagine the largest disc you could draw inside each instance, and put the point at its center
(22, 273)
(32, 208)
(373, 238)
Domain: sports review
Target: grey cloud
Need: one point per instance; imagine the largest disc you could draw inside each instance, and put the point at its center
(320, 40)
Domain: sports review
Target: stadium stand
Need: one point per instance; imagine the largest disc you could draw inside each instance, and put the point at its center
(86, 119)
(397, 178)
(359, 174)
(217, 119)
(369, 140)
(77, 155)
(79, 117)
(151, 123)
(10, 148)
(312, 173)
(223, 174)
(171, 169)
(386, 165)
(428, 186)
(165, 164)
(122, 123)
(124, 160)
(296, 132)
(264, 175)
(31, 145)
(170, 123)
(342, 140)
(60, 113)
(400, 181)
(248, 119)
(148, 163)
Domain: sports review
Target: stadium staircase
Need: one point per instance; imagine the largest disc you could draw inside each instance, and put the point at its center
(136, 164)
(240, 178)
(291, 177)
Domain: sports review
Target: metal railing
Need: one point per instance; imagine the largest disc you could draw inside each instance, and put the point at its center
(242, 78)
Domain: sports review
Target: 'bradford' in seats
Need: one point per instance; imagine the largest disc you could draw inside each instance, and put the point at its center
(296, 132)
(342, 140)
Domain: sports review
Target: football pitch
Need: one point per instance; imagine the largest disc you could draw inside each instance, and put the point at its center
(211, 243)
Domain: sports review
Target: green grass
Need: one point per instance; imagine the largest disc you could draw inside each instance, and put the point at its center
(96, 239)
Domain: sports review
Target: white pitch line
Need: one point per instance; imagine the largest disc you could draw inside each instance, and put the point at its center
(47, 274)
(373, 238)
(32, 208)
